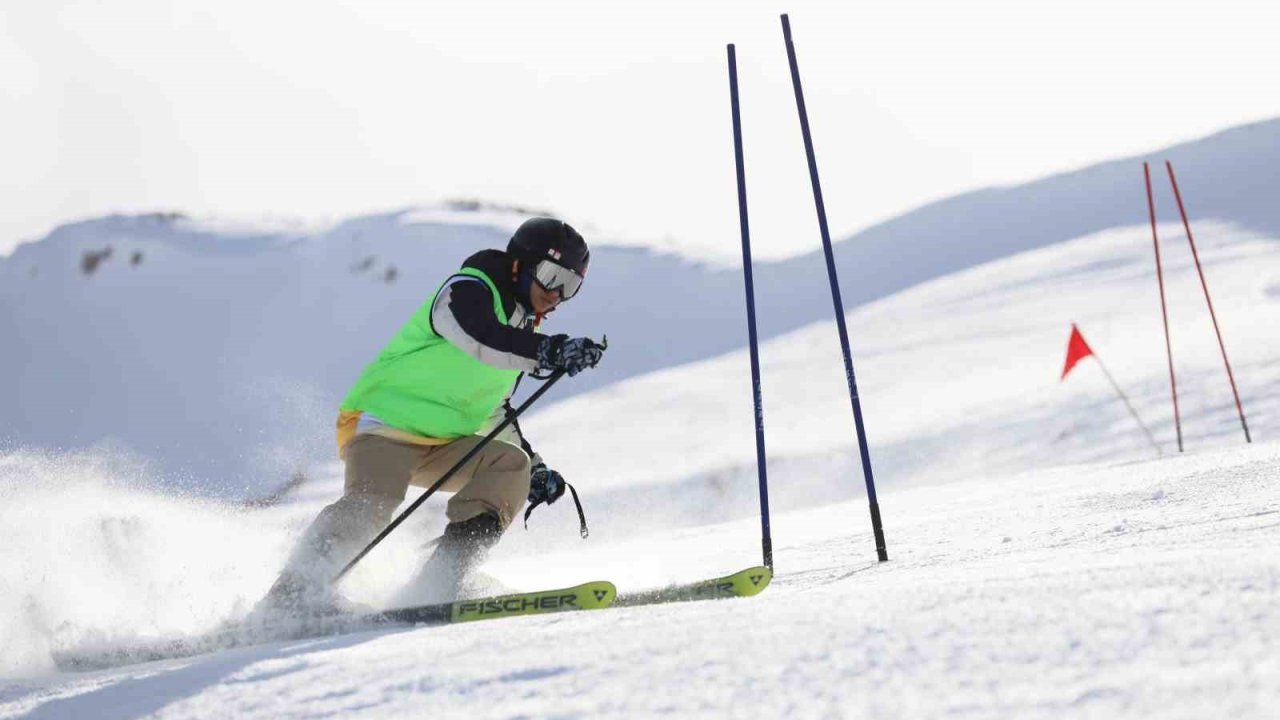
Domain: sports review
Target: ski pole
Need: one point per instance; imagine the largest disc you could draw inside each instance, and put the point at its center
(452, 471)
(877, 527)
(766, 538)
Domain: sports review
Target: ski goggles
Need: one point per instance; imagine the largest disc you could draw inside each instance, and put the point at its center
(553, 277)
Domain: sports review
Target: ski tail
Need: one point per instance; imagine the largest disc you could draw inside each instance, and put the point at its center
(744, 583)
(588, 596)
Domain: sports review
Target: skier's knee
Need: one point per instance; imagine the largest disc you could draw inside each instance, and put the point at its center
(507, 458)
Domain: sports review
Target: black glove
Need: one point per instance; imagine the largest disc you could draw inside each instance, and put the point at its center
(558, 352)
(545, 485)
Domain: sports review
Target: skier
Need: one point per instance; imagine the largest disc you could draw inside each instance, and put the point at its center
(447, 375)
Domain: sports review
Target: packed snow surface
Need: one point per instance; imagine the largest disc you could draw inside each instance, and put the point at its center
(1046, 561)
(1145, 589)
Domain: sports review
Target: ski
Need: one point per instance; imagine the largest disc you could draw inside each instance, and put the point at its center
(744, 583)
(587, 596)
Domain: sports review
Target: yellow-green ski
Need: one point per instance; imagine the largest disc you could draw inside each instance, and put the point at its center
(745, 583)
(588, 596)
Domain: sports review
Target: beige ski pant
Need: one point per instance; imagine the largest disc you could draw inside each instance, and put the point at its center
(378, 475)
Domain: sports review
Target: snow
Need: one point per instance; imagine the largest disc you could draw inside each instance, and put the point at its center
(1113, 590)
(960, 376)
(1043, 562)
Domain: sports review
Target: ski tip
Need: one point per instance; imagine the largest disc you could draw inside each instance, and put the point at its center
(744, 583)
(596, 595)
(752, 581)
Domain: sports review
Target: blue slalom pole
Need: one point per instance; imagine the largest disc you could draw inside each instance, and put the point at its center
(876, 526)
(766, 539)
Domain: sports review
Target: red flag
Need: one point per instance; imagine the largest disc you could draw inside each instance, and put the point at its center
(1077, 350)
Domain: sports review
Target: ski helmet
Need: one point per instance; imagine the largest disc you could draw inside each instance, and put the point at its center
(545, 248)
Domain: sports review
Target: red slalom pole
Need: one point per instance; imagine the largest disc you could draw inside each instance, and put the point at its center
(1164, 310)
(1191, 241)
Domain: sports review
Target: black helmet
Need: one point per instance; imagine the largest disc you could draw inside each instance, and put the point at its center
(549, 239)
(541, 239)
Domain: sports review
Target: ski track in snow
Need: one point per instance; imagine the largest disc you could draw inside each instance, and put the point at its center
(1041, 564)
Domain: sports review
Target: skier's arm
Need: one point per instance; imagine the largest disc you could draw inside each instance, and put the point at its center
(463, 315)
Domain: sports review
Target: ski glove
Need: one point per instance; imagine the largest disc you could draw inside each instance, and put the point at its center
(545, 485)
(559, 352)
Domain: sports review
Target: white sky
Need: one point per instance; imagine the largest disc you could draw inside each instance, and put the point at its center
(613, 114)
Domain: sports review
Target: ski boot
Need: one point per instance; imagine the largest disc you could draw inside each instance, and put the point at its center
(462, 547)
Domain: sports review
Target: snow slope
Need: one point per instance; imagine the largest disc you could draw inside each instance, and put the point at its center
(222, 354)
(1124, 590)
(959, 377)
(1043, 562)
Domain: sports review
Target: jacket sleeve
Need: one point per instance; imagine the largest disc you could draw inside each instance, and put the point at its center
(463, 315)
